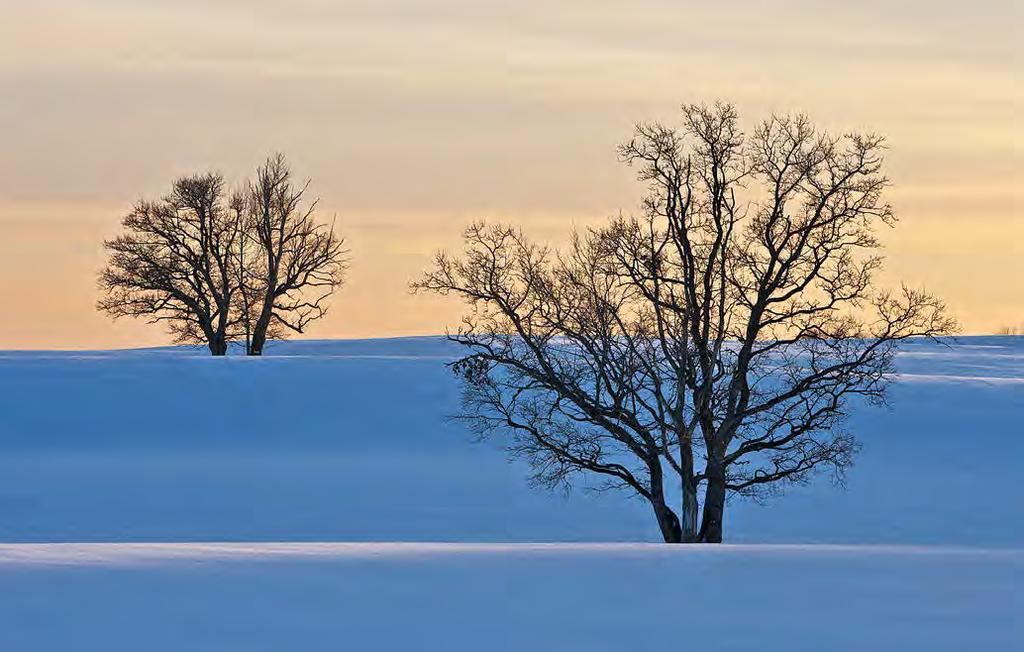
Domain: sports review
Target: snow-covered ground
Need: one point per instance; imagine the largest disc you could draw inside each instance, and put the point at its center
(346, 441)
(508, 597)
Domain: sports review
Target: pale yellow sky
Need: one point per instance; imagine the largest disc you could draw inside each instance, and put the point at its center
(413, 118)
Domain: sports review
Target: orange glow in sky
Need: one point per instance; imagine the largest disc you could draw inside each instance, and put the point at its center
(413, 118)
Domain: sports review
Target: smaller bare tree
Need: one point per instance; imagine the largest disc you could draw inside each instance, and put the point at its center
(292, 263)
(175, 263)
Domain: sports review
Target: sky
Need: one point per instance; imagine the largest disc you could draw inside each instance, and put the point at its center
(412, 119)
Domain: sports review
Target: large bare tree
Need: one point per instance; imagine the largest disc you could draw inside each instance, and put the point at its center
(292, 262)
(175, 263)
(712, 345)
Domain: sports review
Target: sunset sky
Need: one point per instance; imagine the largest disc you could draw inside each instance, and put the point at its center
(413, 118)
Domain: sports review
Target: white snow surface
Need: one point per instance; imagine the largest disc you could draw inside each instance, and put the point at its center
(421, 596)
(119, 468)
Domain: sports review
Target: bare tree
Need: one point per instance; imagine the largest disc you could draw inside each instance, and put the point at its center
(292, 262)
(711, 346)
(175, 263)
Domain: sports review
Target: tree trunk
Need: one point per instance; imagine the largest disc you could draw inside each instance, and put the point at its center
(259, 329)
(259, 334)
(668, 523)
(215, 339)
(218, 345)
(688, 524)
(256, 346)
(714, 508)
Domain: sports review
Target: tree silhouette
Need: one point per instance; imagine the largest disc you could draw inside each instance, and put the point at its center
(215, 267)
(293, 263)
(175, 263)
(711, 345)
